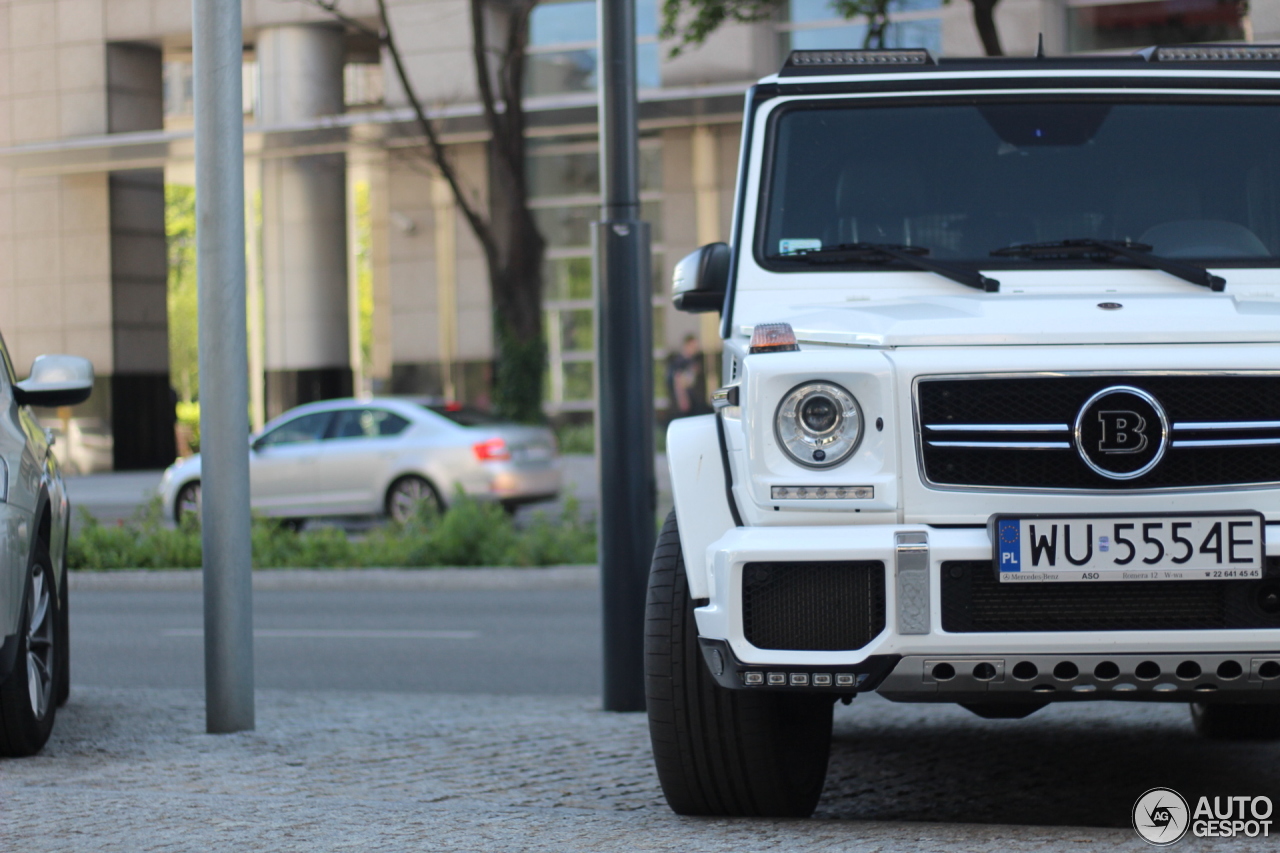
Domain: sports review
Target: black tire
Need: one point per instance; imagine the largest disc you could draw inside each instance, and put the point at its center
(26, 715)
(1236, 722)
(722, 752)
(406, 493)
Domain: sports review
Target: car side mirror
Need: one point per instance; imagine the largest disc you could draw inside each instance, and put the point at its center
(56, 380)
(701, 279)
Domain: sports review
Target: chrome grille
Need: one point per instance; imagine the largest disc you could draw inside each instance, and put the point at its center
(1016, 431)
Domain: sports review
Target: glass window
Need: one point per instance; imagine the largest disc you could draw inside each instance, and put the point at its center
(1192, 179)
(567, 278)
(562, 53)
(577, 330)
(571, 226)
(299, 430)
(571, 173)
(566, 226)
(562, 71)
(577, 172)
(1120, 25)
(926, 33)
(463, 415)
(577, 380)
(563, 23)
(367, 423)
(818, 25)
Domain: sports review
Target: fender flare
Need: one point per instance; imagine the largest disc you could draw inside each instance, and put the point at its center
(699, 488)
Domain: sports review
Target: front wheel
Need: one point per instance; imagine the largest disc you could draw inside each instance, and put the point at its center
(718, 751)
(1236, 722)
(28, 696)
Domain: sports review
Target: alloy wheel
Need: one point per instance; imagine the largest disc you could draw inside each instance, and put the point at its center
(40, 644)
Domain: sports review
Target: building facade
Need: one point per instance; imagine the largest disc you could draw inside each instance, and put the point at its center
(363, 275)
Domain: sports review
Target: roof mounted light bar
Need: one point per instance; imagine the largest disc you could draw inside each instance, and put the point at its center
(836, 61)
(1213, 53)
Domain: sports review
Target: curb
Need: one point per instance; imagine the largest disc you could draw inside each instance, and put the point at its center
(190, 580)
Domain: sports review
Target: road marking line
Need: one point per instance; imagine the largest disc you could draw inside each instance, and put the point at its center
(330, 633)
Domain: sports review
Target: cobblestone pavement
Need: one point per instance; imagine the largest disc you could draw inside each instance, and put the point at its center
(131, 770)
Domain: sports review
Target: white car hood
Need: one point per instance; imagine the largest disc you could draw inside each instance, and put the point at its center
(1000, 320)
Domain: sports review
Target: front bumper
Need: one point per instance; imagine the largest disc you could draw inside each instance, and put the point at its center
(899, 659)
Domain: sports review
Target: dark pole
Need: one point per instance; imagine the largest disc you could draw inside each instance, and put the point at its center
(624, 367)
(224, 366)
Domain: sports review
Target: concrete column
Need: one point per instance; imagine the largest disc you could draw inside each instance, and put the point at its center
(442, 203)
(142, 413)
(706, 189)
(304, 223)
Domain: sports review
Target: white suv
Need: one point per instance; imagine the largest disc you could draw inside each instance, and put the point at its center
(1001, 422)
(34, 512)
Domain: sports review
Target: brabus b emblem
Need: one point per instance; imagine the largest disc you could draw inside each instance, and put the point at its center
(1121, 432)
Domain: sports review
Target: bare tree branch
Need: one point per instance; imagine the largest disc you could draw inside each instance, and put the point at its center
(331, 6)
(506, 229)
(511, 75)
(480, 55)
(438, 153)
(442, 160)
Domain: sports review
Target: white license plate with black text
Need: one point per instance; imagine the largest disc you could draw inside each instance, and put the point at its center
(1219, 546)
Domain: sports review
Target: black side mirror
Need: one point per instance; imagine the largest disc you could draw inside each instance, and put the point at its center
(701, 279)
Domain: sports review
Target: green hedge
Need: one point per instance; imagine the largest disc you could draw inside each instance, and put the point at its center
(470, 533)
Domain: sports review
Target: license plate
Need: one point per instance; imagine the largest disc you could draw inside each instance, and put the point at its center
(1076, 549)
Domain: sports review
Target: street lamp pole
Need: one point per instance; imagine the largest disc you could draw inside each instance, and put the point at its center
(624, 372)
(224, 369)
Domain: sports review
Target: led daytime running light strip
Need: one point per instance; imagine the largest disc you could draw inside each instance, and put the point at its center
(782, 493)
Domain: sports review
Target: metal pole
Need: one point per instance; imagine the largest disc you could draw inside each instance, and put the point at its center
(224, 368)
(624, 372)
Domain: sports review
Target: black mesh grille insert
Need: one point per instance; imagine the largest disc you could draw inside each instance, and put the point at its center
(974, 601)
(1057, 400)
(826, 607)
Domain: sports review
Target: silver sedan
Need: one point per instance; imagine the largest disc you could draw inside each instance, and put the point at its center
(382, 456)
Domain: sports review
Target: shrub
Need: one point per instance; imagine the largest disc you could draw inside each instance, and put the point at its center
(470, 533)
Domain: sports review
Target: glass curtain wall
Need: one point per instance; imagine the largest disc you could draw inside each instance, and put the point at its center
(816, 25)
(564, 186)
(1095, 26)
(563, 56)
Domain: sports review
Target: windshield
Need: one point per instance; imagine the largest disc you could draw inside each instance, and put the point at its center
(1199, 181)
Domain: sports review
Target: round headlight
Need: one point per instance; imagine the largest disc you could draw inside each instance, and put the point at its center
(818, 424)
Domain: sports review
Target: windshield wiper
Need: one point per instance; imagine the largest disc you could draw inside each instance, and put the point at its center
(884, 253)
(1106, 250)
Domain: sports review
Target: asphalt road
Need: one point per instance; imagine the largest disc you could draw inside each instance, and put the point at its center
(507, 641)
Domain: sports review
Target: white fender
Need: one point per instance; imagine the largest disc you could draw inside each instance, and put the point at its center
(698, 488)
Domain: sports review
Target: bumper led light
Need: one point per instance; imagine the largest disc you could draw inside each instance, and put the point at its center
(809, 493)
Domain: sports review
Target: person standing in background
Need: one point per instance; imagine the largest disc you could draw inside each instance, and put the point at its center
(687, 381)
